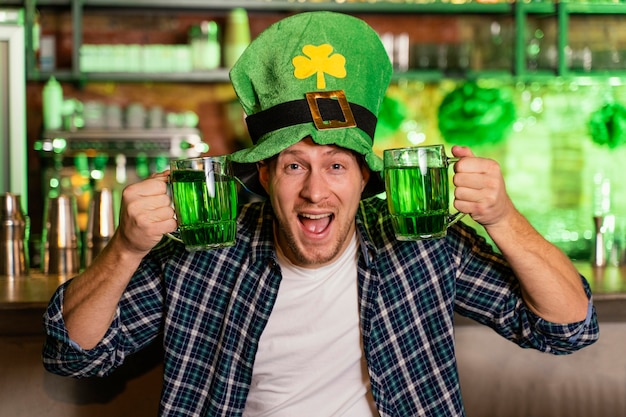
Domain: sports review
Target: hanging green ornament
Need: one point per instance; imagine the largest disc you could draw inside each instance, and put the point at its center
(390, 117)
(607, 125)
(473, 115)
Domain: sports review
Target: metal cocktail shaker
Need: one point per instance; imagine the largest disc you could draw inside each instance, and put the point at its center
(61, 243)
(100, 223)
(14, 228)
(599, 255)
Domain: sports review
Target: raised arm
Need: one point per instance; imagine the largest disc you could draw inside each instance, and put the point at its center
(91, 298)
(550, 283)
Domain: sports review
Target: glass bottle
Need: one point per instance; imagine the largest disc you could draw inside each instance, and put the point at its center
(236, 37)
(205, 46)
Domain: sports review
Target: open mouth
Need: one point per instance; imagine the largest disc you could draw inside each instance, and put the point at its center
(315, 223)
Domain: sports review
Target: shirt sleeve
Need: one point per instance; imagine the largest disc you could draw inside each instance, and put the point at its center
(137, 322)
(63, 356)
(488, 292)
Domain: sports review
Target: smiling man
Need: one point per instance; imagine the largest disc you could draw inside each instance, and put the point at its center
(317, 309)
(315, 191)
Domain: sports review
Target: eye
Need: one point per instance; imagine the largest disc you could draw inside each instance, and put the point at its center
(336, 166)
(293, 167)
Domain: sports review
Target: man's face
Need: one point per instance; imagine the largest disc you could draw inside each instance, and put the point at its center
(315, 192)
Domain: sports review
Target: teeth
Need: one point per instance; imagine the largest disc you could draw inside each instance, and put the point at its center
(315, 216)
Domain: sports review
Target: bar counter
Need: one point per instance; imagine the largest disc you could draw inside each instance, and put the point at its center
(23, 301)
(608, 285)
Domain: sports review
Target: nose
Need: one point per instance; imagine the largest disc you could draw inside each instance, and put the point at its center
(315, 187)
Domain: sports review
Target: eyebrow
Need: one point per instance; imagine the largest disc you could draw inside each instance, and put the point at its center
(330, 152)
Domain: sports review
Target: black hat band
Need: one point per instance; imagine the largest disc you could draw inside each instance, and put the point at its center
(296, 112)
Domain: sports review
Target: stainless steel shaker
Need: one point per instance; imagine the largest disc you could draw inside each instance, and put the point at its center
(14, 229)
(61, 242)
(599, 255)
(100, 223)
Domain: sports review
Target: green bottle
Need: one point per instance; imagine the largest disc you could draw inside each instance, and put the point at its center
(205, 46)
(52, 98)
(236, 36)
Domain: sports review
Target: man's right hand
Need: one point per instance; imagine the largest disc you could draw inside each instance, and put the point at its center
(146, 214)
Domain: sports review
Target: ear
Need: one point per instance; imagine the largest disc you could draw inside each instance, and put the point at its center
(365, 172)
(264, 175)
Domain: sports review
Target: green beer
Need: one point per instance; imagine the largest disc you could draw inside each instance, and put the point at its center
(419, 201)
(206, 208)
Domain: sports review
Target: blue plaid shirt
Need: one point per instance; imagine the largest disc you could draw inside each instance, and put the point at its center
(211, 308)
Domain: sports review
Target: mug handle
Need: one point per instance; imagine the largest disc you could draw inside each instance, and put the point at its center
(449, 161)
(454, 217)
(173, 237)
(169, 193)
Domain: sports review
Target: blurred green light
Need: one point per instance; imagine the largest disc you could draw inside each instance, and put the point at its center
(97, 174)
(59, 145)
(202, 147)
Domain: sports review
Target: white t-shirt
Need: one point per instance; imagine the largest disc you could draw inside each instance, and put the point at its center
(310, 360)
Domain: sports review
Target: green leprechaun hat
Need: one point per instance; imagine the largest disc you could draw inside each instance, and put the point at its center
(317, 74)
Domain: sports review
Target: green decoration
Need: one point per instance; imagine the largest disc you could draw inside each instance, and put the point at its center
(390, 117)
(473, 115)
(607, 125)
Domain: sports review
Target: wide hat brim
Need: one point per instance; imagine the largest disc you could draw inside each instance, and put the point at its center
(320, 52)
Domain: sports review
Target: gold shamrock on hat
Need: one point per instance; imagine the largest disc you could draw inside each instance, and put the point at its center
(319, 62)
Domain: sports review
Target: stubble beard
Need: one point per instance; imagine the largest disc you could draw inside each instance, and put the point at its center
(308, 257)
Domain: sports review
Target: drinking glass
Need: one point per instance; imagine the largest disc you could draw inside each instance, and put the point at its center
(418, 193)
(204, 194)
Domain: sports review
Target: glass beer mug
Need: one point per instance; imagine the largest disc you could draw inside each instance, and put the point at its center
(418, 191)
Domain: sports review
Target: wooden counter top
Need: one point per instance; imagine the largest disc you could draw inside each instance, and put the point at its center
(31, 291)
(605, 282)
(23, 301)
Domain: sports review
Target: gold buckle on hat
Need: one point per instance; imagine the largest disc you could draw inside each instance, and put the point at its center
(322, 124)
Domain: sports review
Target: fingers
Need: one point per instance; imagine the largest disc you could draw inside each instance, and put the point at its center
(461, 151)
(476, 194)
(479, 188)
(146, 213)
(163, 176)
(149, 219)
(476, 172)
